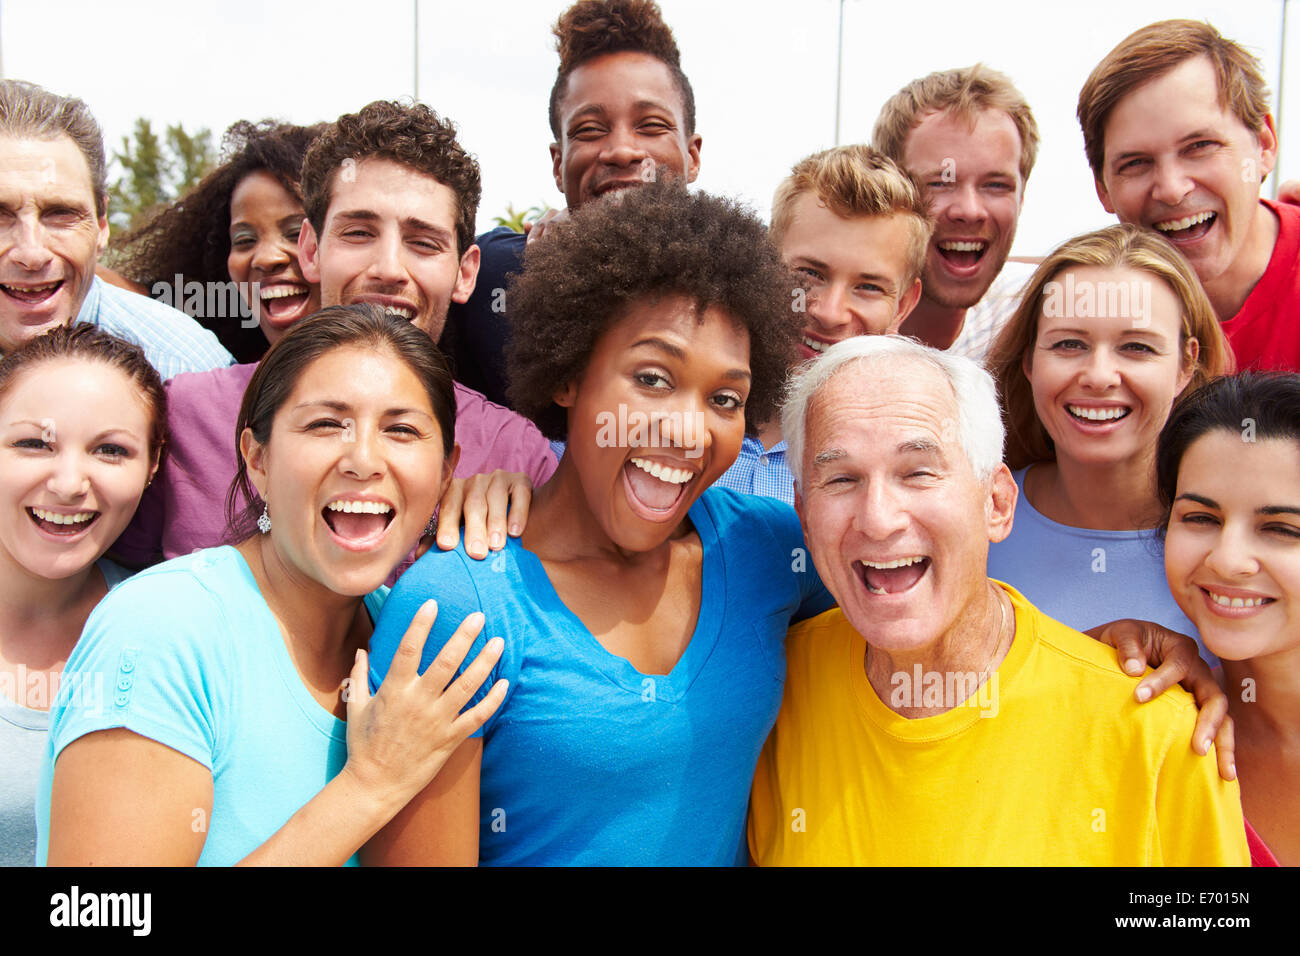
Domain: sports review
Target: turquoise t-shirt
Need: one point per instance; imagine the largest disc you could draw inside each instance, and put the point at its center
(589, 761)
(187, 653)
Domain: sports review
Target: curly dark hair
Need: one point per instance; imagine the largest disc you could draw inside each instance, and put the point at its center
(592, 28)
(410, 134)
(191, 237)
(654, 241)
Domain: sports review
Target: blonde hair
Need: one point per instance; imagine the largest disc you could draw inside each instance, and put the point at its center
(852, 182)
(1153, 51)
(965, 93)
(1119, 246)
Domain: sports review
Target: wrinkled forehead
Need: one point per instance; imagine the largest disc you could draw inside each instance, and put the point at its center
(873, 406)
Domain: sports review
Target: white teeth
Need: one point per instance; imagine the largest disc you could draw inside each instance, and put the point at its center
(1173, 225)
(953, 246)
(1097, 414)
(674, 476)
(32, 288)
(900, 563)
(283, 291)
(400, 312)
(360, 507)
(1226, 601)
(815, 345)
(55, 518)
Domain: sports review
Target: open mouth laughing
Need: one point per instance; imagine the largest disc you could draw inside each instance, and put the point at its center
(283, 300)
(64, 524)
(962, 254)
(31, 293)
(894, 575)
(358, 524)
(1188, 228)
(654, 488)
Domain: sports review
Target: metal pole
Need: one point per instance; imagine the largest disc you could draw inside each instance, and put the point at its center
(1281, 87)
(839, 69)
(415, 41)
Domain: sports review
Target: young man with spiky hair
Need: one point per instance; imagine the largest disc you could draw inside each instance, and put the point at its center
(970, 140)
(1179, 136)
(855, 229)
(622, 113)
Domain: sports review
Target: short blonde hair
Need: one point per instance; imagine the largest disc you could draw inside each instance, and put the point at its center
(1152, 52)
(965, 93)
(1118, 246)
(853, 182)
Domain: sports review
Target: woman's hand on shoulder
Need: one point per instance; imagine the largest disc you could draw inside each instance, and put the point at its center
(488, 505)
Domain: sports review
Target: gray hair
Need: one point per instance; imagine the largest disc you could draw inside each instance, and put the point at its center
(28, 111)
(979, 418)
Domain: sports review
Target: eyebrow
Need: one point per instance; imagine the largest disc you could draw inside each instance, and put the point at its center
(408, 222)
(342, 407)
(676, 352)
(1194, 134)
(1266, 510)
(925, 446)
(830, 456)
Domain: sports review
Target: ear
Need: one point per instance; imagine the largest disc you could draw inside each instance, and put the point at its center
(906, 303)
(1027, 361)
(309, 252)
(1000, 508)
(693, 157)
(1104, 195)
(557, 166)
(468, 275)
(254, 455)
(566, 395)
(1267, 146)
(1191, 352)
(101, 240)
(449, 464)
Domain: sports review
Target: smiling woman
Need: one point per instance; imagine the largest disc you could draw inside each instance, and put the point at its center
(346, 443)
(1112, 328)
(643, 612)
(82, 425)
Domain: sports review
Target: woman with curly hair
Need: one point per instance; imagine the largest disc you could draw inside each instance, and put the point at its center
(241, 222)
(1112, 328)
(644, 613)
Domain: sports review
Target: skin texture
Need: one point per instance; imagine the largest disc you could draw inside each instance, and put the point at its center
(885, 478)
(390, 238)
(1172, 151)
(265, 220)
(358, 425)
(1221, 540)
(856, 270)
(1104, 473)
(621, 115)
(971, 177)
(49, 233)
(633, 580)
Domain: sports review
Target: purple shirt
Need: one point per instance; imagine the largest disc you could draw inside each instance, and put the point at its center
(185, 507)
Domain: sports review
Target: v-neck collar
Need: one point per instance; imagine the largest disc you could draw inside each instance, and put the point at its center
(670, 687)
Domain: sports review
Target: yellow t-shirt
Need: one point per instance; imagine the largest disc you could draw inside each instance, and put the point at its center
(1054, 764)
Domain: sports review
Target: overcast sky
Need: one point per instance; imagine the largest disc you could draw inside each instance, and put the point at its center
(763, 73)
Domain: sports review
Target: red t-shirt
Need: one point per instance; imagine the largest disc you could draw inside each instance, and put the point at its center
(1265, 334)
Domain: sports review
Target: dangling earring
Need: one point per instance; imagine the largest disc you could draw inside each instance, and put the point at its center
(264, 522)
(432, 526)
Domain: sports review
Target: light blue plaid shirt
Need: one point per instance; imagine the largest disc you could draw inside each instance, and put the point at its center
(760, 472)
(172, 341)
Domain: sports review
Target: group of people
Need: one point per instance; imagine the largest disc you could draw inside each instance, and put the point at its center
(780, 543)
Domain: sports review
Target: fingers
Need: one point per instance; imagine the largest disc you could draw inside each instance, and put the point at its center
(452, 655)
(474, 512)
(449, 511)
(1225, 746)
(406, 658)
(521, 500)
(359, 683)
(1172, 670)
(467, 684)
(1126, 637)
(478, 715)
(499, 490)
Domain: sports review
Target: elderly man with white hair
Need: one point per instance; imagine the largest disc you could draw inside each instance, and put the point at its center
(936, 716)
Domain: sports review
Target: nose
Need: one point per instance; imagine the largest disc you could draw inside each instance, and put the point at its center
(964, 204)
(1172, 184)
(269, 255)
(361, 457)
(622, 147)
(386, 262)
(684, 426)
(1231, 557)
(69, 480)
(29, 248)
(880, 515)
(828, 305)
(1100, 372)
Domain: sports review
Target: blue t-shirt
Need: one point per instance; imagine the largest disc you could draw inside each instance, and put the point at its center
(1084, 578)
(591, 762)
(187, 653)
